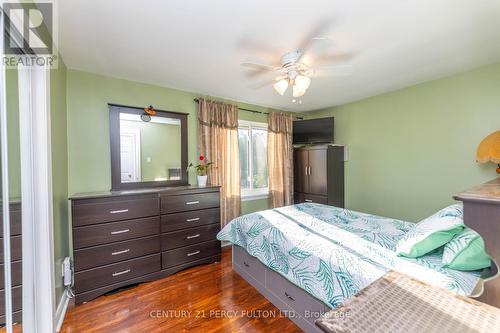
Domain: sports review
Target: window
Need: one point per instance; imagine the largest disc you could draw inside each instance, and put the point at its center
(253, 160)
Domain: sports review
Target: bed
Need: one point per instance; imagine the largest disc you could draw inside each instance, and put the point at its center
(308, 258)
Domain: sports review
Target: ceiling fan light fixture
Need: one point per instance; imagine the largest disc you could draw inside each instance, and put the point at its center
(300, 85)
(281, 86)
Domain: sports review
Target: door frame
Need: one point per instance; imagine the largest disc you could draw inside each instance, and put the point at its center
(37, 204)
(137, 149)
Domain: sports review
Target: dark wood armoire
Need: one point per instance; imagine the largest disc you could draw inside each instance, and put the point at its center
(319, 175)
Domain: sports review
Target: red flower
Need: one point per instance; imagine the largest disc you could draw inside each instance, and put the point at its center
(202, 158)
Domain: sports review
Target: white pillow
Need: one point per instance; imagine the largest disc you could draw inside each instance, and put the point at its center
(432, 232)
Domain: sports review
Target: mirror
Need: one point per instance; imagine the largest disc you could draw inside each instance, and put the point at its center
(147, 149)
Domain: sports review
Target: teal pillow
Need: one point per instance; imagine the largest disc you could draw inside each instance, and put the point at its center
(466, 252)
(432, 232)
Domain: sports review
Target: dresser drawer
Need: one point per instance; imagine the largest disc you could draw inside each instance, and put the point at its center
(189, 253)
(115, 231)
(106, 210)
(191, 219)
(16, 248)
(187, 202)
(17, 299)
(15, 220)
(115, 252)
(189, 236)
(114, 273)
(249, 264)
(300, 301)
(16, 274)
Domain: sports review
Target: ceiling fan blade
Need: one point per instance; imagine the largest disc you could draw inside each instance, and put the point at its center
(261, 67)
(263, 84)
(335, 57)
(335, 70)
(260, 48)
(313, 36)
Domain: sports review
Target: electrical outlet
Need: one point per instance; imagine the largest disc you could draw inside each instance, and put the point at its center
(67, 271)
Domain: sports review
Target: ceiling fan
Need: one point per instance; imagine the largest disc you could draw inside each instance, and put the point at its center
(292, 70)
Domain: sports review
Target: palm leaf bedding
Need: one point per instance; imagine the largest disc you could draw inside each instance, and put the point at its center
(332, 253)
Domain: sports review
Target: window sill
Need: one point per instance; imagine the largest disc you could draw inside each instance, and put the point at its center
(251, 197)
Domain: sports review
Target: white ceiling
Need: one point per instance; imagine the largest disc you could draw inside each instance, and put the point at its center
(198, 45)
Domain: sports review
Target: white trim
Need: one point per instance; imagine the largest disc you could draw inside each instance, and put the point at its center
(248, 123)
(259, 193)
(5, 191)
(252, 197)
(36, 191)
(61, 310)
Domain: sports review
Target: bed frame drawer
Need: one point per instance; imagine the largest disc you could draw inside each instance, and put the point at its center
(101, 211)
(115, 232)
(250, 265)
(188, 202)
(189, 236)
(177, 221)
(189, 253)
(297, 299)
(106, 275)
(115, 252)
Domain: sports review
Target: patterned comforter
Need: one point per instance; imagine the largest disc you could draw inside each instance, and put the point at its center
(332, 253)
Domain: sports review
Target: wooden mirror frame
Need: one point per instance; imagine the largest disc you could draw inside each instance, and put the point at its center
(114, 139)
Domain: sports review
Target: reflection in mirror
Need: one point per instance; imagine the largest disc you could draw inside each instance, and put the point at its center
(149, 151)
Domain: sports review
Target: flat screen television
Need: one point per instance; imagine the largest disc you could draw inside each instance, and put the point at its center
(313, 131)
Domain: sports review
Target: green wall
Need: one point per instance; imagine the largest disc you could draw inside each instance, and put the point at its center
(88, 124)
(14, 150)
(59, 139)
(161, 143)
(410, 151)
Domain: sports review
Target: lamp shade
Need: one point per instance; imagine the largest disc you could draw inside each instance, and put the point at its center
(281, 86)
(489, 149)
(300, 85)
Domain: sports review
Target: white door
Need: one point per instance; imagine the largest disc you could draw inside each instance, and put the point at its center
(130, 155)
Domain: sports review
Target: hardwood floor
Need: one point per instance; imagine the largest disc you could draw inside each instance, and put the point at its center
(207, 298)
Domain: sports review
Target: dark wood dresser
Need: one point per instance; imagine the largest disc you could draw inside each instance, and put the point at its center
(16, 263)
(126, 237)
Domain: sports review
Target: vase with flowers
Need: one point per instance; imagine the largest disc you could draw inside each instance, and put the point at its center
(201, 170)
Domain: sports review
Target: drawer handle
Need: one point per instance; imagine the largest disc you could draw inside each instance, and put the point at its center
(245, 263)
(308, 200)
(120, 252)
(289, 297)
(118, 211)
(193, 236)
(192, 202)
(121, 273)
(193, 219)
(193, 253)
(120, 231)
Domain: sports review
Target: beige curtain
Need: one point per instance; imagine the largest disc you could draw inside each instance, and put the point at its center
(280, 159)
(218, 142)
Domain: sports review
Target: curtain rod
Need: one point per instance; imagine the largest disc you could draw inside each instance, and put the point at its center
(248, 110)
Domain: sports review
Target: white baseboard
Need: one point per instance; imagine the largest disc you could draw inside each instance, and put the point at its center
(61, 310)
